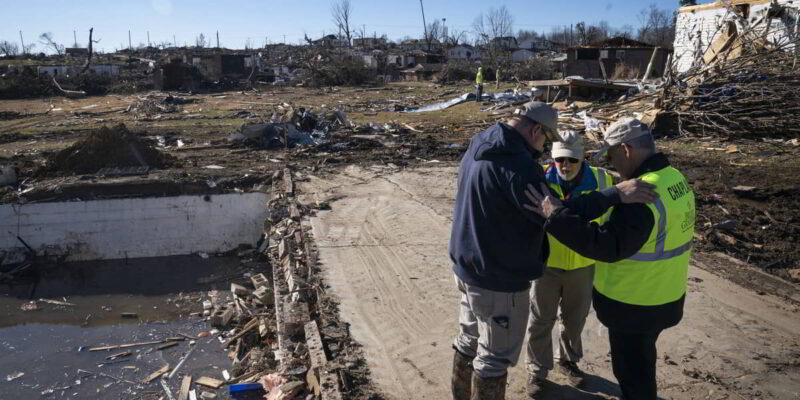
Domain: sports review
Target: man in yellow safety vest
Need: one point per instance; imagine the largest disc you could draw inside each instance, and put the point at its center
(479, 84)
(567, 280)
(642, 254)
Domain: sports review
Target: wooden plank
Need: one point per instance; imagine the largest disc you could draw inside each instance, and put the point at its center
(552, 82)
(125, 346)
(118, 355)
(155, 375)
(720, 4)
(209, 382)
(247, 328)
(168, 345)
(186, 385)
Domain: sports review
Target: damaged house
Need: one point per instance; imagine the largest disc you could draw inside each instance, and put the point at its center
(704, 31)
(615, 58)
(218, 66)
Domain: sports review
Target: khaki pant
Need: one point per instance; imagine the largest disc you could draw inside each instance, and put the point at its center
(572, 291)
(491, 328)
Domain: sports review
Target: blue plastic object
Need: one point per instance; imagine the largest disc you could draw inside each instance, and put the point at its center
(244, 387)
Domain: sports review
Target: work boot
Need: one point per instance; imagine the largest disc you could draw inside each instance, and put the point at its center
(535, 387)
(488, 388)
(571, 371)
(461, 382)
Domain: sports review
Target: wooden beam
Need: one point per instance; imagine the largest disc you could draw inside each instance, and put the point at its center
(720, 4)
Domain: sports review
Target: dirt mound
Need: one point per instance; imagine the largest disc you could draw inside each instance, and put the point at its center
(108, 148)
(758, 225)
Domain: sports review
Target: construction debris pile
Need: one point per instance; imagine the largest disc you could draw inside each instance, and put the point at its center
(275, 330)
(152, 105)
(107, 148)
(746, 85)
(290, 126)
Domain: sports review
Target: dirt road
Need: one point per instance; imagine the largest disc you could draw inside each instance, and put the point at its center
(383, 246)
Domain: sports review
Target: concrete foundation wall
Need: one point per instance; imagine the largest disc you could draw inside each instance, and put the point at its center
(139, 227)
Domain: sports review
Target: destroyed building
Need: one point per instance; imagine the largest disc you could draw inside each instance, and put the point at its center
(218, 66)
(615, 58)
(703, 30)
(176, 75)
(60, 70)
(370, 42)
(463, 52)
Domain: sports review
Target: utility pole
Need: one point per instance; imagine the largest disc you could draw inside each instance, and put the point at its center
(424, 24)
(444, 30)
(217, 39)
(130, 46)
(24, 51)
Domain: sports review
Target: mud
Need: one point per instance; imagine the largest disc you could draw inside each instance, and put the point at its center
(767, 224)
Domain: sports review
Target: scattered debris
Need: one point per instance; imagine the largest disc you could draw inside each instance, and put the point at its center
(15, 375)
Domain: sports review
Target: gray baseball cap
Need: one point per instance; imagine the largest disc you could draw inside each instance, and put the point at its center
(543, 114)
(624, 130)
(572, 146)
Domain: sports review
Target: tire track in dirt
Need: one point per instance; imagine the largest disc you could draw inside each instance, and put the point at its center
(383, 249)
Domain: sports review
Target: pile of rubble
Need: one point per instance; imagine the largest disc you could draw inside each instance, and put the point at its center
(273, 328)
(110, 149)
(290, 126)
(745, 84)
(756, 93)
(153, 105)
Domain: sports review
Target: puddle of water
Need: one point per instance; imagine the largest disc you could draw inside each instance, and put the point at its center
(163, 292)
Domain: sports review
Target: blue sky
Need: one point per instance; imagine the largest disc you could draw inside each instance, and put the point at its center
(238, 20)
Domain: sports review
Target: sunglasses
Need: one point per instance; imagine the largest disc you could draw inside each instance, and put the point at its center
(562, 160)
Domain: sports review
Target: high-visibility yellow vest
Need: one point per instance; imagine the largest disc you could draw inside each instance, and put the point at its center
(561, 256)
(479, 77)
(657, 274)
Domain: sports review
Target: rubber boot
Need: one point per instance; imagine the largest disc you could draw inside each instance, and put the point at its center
(461, 382)
(488, 388)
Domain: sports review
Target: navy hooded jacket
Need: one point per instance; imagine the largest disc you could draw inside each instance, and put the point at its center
(496, 243)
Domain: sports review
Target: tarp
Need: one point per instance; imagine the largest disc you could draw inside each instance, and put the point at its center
(493, 97)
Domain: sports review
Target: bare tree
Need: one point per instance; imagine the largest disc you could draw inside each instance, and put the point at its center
(455, 36)
(91, 52)
(525, 34)
(497, 22)
(433, 32)
(47, 40)
(200, 41)
(341, 11)
(657, 27)
(625, 31)
(8, 48)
